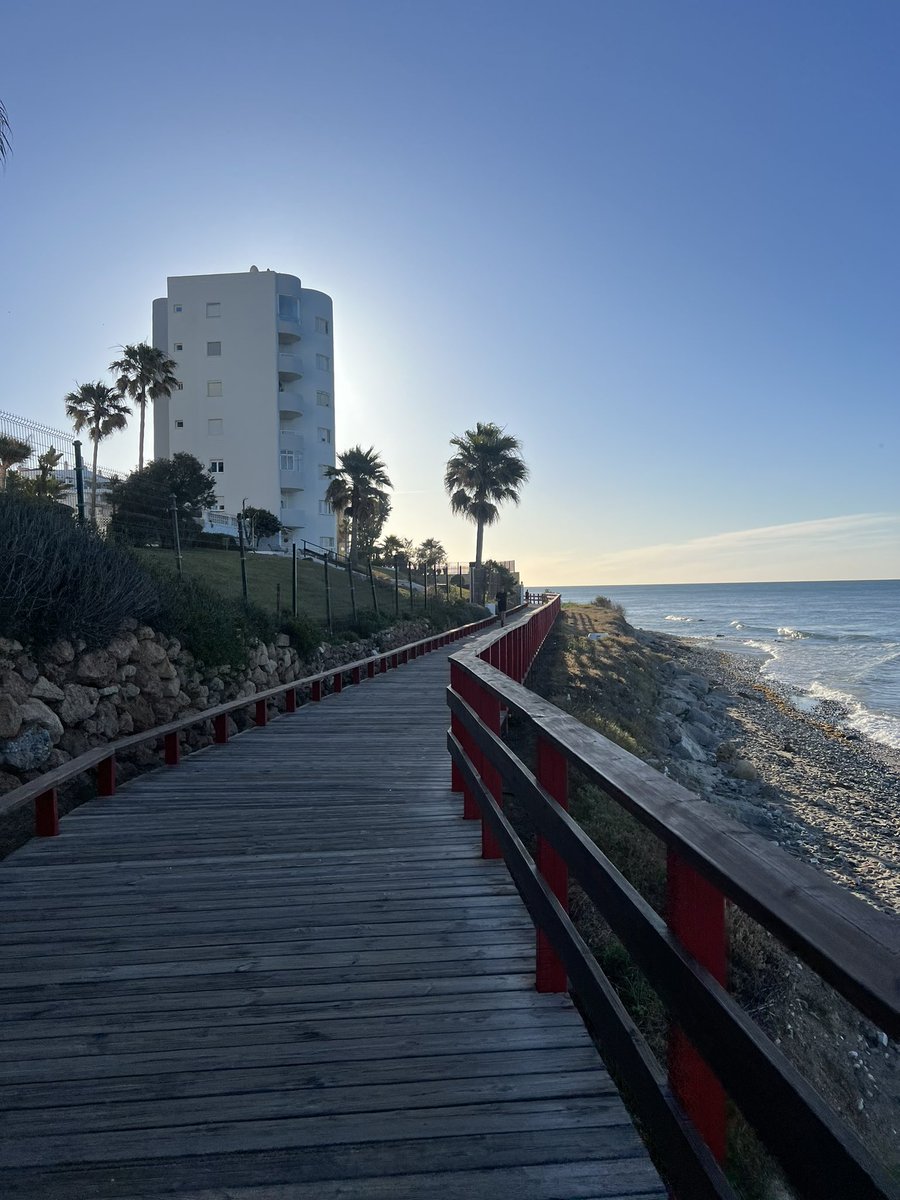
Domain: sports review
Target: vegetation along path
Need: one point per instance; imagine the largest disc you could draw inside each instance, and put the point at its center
(283, 970)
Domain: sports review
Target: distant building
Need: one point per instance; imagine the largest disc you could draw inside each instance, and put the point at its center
(255, 359)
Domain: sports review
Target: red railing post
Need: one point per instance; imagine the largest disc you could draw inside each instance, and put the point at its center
(220, 729)
(370, 669)
(46, 814)
(488, 709)
(337, 682)
(315, 690)
(456, 727)
(395, 661)
(262, 715)
(695, 911)
(553, 776)
(106, 776)
(172, 749)
(290, 700)
(356, 674)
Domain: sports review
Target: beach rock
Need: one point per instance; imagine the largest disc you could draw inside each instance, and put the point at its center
(27, 669)
(36, 712)
(13, 685)
(10, 646)
(742, 768)
(61, 652)
(149, 654)
(688, 749)
(10, 717)
(97, 667)
(79, 703)
(144, 633)
(701, 735)
(122, 647)
(8, 782)
(74, 742)
(45, 690)
(28, 751)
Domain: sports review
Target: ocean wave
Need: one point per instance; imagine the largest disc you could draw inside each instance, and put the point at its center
(686, 620)
(787, 632)
(737, 624)
(880, 727)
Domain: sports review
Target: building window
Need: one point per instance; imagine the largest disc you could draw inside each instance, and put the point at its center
(213, 349)
(217, 466)
(323, 362)
(288, 308)
(288, 461)
(176, 308)
(325, 509)
(325, 436)
(328, 543)
(179, 346)
(324, 470)
(321, 325)
(179, 424)
(323, 399)
(214, 387)
(213, 308)
(214, 425)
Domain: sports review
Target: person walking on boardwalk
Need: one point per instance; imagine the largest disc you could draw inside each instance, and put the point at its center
(501, 606)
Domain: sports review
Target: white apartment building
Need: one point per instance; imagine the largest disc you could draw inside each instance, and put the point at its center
(255, 359)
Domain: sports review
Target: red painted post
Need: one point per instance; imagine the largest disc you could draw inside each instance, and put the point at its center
(395, 660)
(262, 715)
(695, 912)
(290, 700)
(488, 709)
(370, 669)
(172, 750)
(456, 779)
(46, 815)
(220, 729)
(106, 776)
(356, 674)
(337, 682)
(553, 776)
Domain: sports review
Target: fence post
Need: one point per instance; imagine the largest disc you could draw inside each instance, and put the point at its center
(244, 592)
(372, 586)
(79, 481)
(293, 581)
(695, 912)
(327, 594)
(106, 776)
(337, 682)
(396, 588)
(315, 690)
(176, 537)
(290, 700)
(220, 729)
(172, 749)
(456, 675)
(488, 709)
(553, 776)
(46, 815)
(352, 589)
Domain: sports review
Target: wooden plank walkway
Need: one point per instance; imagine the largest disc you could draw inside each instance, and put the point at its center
(283, 970)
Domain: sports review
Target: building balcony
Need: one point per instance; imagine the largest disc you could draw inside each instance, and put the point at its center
(289, 403)
(290, 439)
(288, 333)
(291, 480)
(293, 518)
(289, 366)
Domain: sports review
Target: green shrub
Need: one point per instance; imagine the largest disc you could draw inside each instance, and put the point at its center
(59, 579)
(305, 634)
(218, 631)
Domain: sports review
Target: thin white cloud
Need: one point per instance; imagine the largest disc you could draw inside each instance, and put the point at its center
(855, 546)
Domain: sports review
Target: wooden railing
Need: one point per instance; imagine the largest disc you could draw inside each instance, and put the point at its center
(43, 792)
(714, 1047)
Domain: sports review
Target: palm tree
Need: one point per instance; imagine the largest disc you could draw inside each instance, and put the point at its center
(486, 471)
(101, 411)
(5, 143)
(396, 549)
(431, 554)
(358, 491)
(144, 373)
(12, 452)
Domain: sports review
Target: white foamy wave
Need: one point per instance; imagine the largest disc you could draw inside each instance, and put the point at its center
(880, 727)
(786, 631)
(686, 620)
(737, 624)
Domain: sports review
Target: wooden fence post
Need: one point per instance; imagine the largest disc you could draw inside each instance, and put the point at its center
(262, 715)
(106, 776)
(488, 708)
(220, 729)
(290, 700)
(695, 911)
(172, 751)
(553, 776)
(46, 814)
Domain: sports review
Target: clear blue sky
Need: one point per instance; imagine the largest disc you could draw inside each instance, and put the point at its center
(657, 240)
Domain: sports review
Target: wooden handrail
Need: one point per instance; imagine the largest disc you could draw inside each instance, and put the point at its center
(46, 785)
(849, 944)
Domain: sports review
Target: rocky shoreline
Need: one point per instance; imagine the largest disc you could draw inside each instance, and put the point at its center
(819, 790)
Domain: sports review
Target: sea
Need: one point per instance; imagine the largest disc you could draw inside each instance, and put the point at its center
(822, 641)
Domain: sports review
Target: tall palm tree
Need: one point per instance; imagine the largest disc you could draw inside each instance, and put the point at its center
(12, 452)
(101, 411)
(144, 373)
(431, 554)
(5, 143)
(396, 549)
(358, 491)
(486, 471)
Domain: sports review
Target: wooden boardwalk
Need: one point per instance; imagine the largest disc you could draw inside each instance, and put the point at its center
(281, 971)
